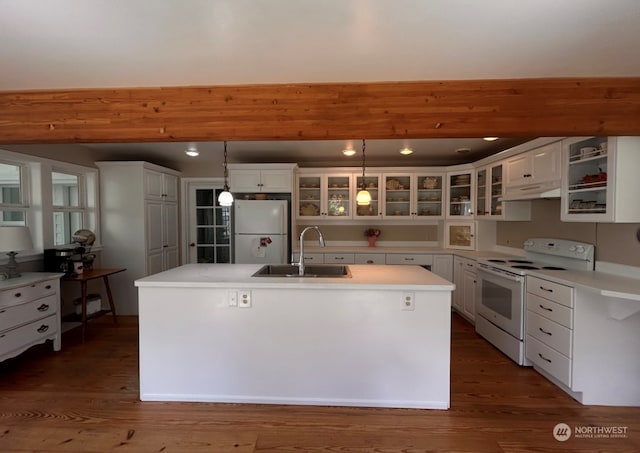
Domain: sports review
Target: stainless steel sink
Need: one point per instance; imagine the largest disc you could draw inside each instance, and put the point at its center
(311, 270)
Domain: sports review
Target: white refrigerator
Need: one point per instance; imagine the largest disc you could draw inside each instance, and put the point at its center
(261, 231)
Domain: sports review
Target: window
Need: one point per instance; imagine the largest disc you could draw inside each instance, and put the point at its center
(68, 206)
(13, 204)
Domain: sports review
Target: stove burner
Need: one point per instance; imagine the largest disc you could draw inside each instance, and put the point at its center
(497, 261)
(554, 268)
(521, 261)
(523, 266)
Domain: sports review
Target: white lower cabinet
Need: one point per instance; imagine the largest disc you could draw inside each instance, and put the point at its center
(549, 327)
(411, 258)
(339, 258)
(443, 266)
(140, 229)
(465, 279)
(29, 312)
(310, 258)
(370, 258)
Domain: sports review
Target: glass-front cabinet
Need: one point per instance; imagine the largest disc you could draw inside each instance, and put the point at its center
(461, 194)
(602, 179)
(460, 235)
(429, 195)
(372, 184)
(398, 199)
(325, 196)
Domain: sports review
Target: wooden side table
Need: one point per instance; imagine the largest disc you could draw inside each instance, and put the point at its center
(83, 279)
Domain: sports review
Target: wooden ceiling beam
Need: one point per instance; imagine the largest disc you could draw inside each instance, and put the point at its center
(320, 111)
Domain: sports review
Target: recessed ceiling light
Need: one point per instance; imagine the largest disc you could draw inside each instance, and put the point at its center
(406, 151)
(192, 152)
(490, 139)
(348, 152)
(463, 150)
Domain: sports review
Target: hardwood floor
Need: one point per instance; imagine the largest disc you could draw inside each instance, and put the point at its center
(85, 399)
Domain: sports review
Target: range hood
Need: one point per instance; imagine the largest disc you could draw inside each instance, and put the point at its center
(533, 192)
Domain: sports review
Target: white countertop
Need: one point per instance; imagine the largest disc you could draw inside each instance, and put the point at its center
(366, 276)
(385, 249)
(602, 282)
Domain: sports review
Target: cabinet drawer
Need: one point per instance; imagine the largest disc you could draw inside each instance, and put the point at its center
(27, 293)
(29, 334)
(24, 313)
(550, 360)
(338, 258)
(316, 258)
(550, 310)
(550, 333)
(556, 292)
(420, 260)
(370, 258)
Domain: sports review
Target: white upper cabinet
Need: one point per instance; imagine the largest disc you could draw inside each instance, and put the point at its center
(490, 189)
(160, 186)
(601, 182)
(324, 196)
(372, 184)
(266, 178)
(538, 166)
(413, 195)
(461, 194)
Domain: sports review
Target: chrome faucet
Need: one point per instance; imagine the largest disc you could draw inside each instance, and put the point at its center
(301, 258)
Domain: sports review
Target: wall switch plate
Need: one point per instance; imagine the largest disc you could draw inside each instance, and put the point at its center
(408, 301)
(232, 298)
(245, 298)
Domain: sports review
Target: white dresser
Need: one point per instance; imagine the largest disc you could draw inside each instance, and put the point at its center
(29, 312)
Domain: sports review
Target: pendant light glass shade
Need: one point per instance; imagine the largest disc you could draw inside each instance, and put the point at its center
(363, 198)
(225, 198)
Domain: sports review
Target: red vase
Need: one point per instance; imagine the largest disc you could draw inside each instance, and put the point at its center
(372, 240)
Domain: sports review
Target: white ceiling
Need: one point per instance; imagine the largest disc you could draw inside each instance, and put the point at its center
(131, 43)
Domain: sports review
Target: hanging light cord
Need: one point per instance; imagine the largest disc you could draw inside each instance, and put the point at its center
(363, 159)
(226, 172)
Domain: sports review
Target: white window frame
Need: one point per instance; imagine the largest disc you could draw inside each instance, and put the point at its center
(68, 208)
(37, 196)
(24, 202)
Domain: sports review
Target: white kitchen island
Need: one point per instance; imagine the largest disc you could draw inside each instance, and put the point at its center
(214, 333)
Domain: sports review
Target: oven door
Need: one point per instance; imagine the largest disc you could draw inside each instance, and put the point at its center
(500, 300)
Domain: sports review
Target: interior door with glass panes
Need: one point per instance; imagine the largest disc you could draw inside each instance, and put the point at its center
(209, 226)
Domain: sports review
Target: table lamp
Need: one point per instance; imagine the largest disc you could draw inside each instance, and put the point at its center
(14, 238)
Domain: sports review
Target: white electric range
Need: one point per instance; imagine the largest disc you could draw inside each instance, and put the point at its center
(500, 295)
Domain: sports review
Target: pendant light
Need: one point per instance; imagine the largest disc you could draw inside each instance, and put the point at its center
(363, 198)
(225, 198)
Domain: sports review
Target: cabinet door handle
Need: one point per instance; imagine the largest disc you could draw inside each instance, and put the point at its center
(368, 262)
(43, 328)
(544, 331)
(2, 311)
(408, 259)
(338, 257)
(546, 289)
(47, 287)
(544, 358)
(545, 308)
(43, 307)
(17, 294)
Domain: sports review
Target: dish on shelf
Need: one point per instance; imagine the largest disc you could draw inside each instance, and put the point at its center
(309, 209)
(430, 182)
(393, 184)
